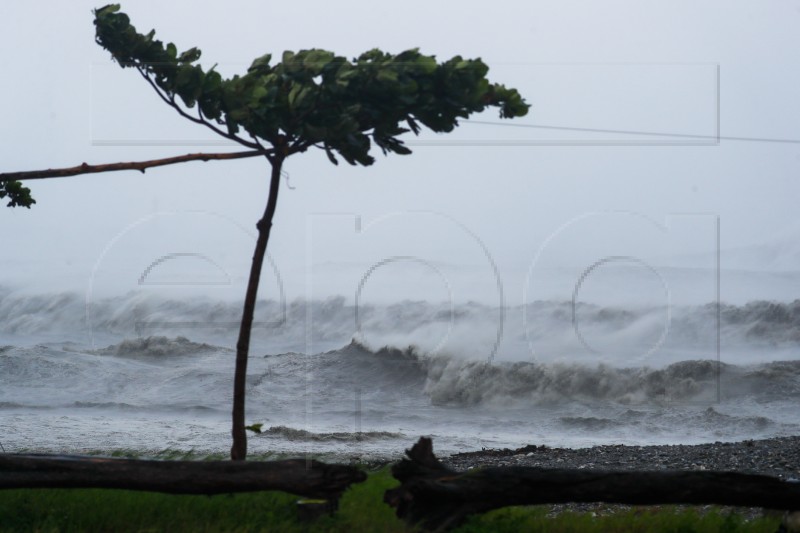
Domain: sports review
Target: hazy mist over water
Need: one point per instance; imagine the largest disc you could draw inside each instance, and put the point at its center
(622, 265)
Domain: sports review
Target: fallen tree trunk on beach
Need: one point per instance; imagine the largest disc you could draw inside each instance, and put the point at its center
(298, 476)
(439, 498)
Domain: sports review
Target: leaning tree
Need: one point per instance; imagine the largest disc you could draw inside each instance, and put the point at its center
(310, 99)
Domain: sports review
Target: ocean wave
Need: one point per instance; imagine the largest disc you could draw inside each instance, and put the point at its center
(106, 405)
(454, 381)
(293, 434)
(11, 405)
(122, 406)
(157, 347)
(709, 418)
(745, 424)
(769, 321)
(451, 381)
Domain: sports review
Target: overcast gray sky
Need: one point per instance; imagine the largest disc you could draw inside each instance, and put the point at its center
(484, 206)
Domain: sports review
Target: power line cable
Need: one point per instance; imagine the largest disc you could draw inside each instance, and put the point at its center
(676, 139)
(635, 132)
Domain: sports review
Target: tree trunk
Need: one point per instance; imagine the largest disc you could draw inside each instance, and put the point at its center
(239, 447)
(297, 476)
(440, 498)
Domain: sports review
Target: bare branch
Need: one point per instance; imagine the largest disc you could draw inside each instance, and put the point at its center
(135, 165)
(255, 140)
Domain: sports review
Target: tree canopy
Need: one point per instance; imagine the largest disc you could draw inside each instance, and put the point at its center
(314, 97)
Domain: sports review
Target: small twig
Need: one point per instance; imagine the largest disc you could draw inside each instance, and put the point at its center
(141, 166)
(285, 175)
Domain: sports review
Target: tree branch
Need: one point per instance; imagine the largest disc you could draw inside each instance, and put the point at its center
(134, 165)
(262, 147)
(170, 101)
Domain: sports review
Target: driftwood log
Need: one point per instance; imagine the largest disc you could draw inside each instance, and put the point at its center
(439, 498)
(298, 476)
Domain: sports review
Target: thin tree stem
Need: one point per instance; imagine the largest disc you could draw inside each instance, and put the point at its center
(238, 432)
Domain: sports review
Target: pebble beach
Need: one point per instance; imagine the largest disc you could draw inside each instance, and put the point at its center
(779, 457)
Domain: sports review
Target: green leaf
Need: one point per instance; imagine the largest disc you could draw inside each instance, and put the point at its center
(347, 73)
(330, 155)
(239, 114)
(258, 93)
(212, 81)
(427, 64)
(387, 75)
(106, 10)
(261, 64)
(18, 196)
(230, 123)
(189, 56)
(255, 428)
(293, 94)
(315, 60)
(372, 55)
(189, 83)
(298, 94)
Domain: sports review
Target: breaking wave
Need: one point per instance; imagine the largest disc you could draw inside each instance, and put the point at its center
(458, 382)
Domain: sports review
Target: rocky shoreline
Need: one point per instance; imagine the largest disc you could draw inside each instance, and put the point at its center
(779, 457)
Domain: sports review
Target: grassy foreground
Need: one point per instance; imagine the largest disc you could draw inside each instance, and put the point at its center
(361, 509)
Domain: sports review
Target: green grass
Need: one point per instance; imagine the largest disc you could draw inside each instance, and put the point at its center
(361, 509)
(646, 520)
